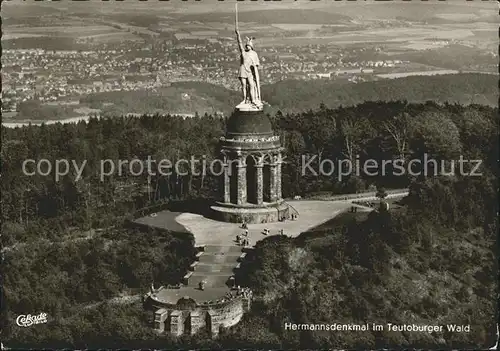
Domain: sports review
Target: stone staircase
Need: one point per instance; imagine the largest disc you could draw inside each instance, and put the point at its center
(211, 280)
(292, 210)
(215, 264)
(211, 268)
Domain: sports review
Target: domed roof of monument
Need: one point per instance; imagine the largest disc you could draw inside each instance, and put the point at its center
(248, 123)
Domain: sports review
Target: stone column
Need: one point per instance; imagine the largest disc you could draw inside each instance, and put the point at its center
(273, 172)
(160, 317)
(196, 321)
(242, 181)
(176, 323)
(212, 325)
(260, 184)
(278, 181)
(227, 184)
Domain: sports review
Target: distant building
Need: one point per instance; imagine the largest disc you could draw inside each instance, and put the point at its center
(348, 71)
(182, 36)
(323, 75)
(288, 57)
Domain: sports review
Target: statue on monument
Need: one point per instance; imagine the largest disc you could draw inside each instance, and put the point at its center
(248, 73)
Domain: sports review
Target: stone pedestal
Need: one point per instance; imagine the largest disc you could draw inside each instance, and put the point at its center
(212, 324)
(176, 323)
(249, 137)
(160, 317)
(267, 213)
(197, 321)
(247, 303)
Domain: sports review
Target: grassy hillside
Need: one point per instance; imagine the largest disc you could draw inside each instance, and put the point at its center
(452, 56)
(186, 97)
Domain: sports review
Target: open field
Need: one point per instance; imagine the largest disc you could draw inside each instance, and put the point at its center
(59, 31)
(458, 16)
(297, 26)
(133, 28)
(86, 110)
(68, 21)
(72, 29)
(420, 73)
(424, 45)
(10, 36)
(111, 37)
(9, 115)
(406, 36)
(28, 122)
(416, 10)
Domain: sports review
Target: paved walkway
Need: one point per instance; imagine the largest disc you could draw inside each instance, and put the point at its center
(207, 231)
(311, 214)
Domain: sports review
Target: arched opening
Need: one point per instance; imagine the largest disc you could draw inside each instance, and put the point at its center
(168, 324)
(266, 187)
(233, 182)
(186, 303)
(251, 180)
(221, 183)
(208, 322)
(187, 325)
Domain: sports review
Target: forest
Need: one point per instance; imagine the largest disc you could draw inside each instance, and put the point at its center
(431, 263)
(68, 252)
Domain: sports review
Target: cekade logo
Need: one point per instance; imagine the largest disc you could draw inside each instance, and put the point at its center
(28, 320)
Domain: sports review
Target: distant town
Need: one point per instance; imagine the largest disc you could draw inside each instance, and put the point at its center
(53, 75)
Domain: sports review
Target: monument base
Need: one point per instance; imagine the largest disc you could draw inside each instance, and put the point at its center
(250, 213)
(258, 106)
